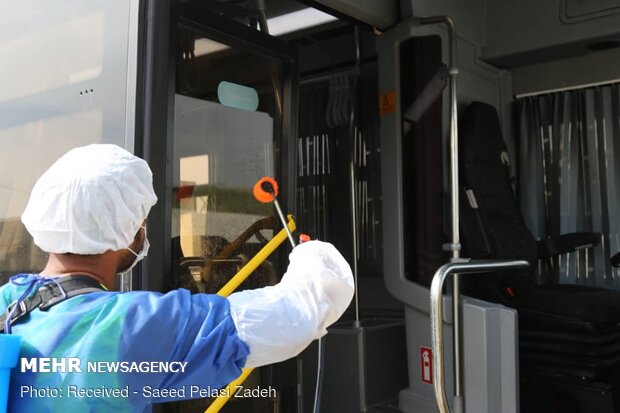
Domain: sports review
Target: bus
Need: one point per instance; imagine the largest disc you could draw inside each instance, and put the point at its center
(463, 156)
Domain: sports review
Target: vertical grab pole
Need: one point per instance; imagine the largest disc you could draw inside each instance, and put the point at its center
(456, 238)
(455, 246)
(353, 137)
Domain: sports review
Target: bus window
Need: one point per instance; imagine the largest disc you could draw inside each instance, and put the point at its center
(423, 78)
(56, 93)
(226, 126)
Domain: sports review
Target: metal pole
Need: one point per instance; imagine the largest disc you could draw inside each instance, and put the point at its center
(455, 246)
(437, 339)
(353, 136)
(456, 238)
(273, 71)
(283, 220)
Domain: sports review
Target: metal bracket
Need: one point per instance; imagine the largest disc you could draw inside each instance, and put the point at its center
(451, 246)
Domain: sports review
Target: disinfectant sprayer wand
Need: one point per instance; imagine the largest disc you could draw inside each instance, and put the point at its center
(265, 191)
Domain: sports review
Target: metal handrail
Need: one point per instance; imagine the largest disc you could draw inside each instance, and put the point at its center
(463, 267)
(455, 246)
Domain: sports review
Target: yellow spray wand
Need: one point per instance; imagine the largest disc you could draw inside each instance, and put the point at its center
(232, 285)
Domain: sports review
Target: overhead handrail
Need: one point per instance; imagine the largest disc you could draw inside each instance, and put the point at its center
(461, 267)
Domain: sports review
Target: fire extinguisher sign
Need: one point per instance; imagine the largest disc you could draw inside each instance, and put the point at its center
(426, 365)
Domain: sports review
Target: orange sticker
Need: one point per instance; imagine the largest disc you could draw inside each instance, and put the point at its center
(387, 103)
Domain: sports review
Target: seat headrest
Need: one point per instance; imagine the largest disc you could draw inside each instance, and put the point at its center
(481, 141)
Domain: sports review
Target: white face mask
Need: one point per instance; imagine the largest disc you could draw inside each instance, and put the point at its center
(139, 255)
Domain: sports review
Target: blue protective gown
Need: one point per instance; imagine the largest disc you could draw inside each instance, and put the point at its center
(131, 327)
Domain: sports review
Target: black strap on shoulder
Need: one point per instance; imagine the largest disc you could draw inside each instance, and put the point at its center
(51, 294)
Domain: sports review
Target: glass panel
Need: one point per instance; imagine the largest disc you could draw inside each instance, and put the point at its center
(421, 100)
(57, 91)
(226, 125)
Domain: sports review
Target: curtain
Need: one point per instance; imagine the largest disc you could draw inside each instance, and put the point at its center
(569, 177)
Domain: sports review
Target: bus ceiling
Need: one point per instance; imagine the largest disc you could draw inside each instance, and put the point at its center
(380, 14)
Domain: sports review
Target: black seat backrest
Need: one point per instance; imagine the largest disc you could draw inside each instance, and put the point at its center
(496, 228)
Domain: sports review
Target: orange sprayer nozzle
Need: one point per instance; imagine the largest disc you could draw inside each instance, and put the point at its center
(265, 190)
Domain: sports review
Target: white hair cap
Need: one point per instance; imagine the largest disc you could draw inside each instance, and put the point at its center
(91, 200)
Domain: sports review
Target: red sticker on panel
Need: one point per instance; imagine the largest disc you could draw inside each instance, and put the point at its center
(426, 365)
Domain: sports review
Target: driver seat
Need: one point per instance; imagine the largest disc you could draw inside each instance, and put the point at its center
(569, 335)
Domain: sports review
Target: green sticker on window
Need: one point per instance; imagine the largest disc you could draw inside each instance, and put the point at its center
(237, 96)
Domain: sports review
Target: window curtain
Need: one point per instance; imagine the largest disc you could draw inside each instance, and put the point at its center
(569, 177)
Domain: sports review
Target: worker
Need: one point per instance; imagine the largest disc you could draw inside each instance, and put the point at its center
(89, 212)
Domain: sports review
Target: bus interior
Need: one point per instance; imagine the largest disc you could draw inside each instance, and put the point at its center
(463, 156)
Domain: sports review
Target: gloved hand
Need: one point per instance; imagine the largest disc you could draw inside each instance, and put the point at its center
(278, 322)
(318, 265)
